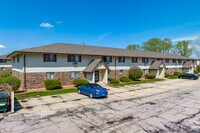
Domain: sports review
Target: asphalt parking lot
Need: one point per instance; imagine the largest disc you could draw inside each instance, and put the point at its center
(167, 106)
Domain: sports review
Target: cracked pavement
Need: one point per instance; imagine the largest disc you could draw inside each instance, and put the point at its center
(167, 106)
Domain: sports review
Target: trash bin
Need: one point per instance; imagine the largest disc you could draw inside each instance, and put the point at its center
(4, 101)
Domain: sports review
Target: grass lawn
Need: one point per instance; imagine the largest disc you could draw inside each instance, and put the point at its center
(44, 93)
(137, 82)
(172, 77)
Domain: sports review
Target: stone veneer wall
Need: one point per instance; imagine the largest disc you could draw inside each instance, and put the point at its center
(118, 73)
(36, 80)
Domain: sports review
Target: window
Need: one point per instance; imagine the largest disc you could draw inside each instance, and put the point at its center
(3, 68)
(173, 61)
(134, 60)
(145, 71)
(107, 58)
(145, 60)
(13, 59)
(166, 60)
(50, 75)
(121, 59)
(2, 60)
(17, 58)
(74, 58)
(121, 72)
(74, 75)
(50, 58)
(179, 61)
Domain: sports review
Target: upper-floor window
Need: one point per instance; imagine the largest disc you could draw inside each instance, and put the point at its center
(145, 60)
(2, 60)
(174, 61)
(74, 58)
(107, 58)
(166, 60)
(134, 60)
(50, 57)
(179, 61)
(17, 58)
(13, 59)
(121, 59)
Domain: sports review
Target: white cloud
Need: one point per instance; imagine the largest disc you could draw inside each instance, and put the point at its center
(46, 25)
(102, 36)
(187, 38)
(2, 46)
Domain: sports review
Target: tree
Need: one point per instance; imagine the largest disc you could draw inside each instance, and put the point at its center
(133, 47)
(196, 47)
(182, 48)
(158, 45)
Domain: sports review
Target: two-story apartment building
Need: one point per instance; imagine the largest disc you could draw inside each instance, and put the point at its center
(5, 63)
(67, 62)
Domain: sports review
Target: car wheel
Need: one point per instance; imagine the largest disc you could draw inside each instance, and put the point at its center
(90, 95)
(79, 92)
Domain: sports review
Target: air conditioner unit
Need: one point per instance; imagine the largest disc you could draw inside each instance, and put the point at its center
(75, 63)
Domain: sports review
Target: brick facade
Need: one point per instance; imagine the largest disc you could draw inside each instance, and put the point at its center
(118, 73)
(36, 80)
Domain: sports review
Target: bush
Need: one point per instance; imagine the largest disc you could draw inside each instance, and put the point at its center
(150, 76)
(198, 68)
(79, 82)
(124, 79)
(178, 73)
(52, 84)
(166, 75)
(113, 81)
(196, 72)
(5, 74)
(13, 81)
(135, 73)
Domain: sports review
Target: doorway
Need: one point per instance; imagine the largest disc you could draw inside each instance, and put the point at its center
(97, 76)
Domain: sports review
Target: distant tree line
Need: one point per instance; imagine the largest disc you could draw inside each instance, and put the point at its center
(183, 48)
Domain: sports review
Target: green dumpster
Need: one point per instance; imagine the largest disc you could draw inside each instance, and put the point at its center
(4, 101)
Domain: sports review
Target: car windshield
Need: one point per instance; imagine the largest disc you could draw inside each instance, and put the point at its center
(94, 86)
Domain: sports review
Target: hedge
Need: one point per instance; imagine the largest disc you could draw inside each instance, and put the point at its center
(124, 79)
(13, 81)
(150, 76)
(5, 74)
(52, 84)
(178, 73)
(135, 73)
(113, 81)
(79, 82)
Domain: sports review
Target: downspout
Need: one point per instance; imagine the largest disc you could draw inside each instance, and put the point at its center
(25, 72)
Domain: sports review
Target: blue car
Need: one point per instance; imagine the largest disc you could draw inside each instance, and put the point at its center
(93, 90)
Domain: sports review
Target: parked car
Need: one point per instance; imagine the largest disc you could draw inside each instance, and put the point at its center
(188, 76)
(93, 90)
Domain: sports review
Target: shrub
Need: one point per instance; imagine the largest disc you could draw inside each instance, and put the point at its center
(79, 82)
(178, 73)
(150, 76)
(52, 84)
(124, 79)
(198, 68)
(135, 73)
(166, 75)
(196, 72)
(5, 74)
(113, 81)
(13, 81)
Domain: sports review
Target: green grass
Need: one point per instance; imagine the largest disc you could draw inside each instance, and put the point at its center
(137, 82)
(172, 77)
(44, 93)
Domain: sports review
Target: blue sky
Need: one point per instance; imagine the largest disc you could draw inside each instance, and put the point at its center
(113, 23)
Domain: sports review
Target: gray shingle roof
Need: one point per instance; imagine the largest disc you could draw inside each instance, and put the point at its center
(4, 57)
(156, 65)
(96, 50)
(187, 64)
(91, 67)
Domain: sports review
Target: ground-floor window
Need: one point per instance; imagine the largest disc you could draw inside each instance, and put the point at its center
(3, 68)
(144, 71)
(50, 75)
(74, 75)
(121, 72)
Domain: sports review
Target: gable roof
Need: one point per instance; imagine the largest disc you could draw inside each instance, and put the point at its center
(156, 65)
(63, 48)
(187, 64)
(93, 64)
(4, 57)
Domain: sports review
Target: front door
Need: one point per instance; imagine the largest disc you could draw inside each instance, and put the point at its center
(96, 76)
